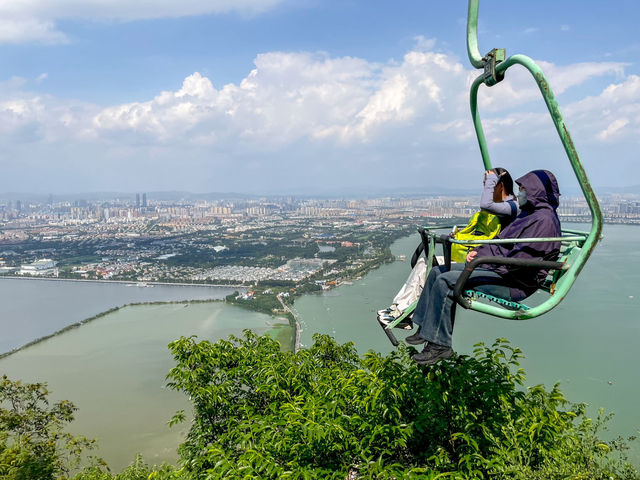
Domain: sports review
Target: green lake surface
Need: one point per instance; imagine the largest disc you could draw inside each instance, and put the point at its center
(114, 368)
(590, 343)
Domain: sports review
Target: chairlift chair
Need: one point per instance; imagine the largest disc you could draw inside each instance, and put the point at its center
(576, 246)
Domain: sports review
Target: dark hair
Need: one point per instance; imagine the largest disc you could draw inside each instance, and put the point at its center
(505, 179)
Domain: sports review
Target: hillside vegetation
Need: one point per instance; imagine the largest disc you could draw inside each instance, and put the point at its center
(325, 412)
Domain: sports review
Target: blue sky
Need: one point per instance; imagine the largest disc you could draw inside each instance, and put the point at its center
(311, 96)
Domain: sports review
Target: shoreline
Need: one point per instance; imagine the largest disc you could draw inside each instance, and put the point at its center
(293, 319)
(133, 283)
(96, 317)
(293, 322)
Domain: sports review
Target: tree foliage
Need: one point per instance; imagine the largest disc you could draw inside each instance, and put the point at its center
(325, 412)
(138, 470)
(33, 444)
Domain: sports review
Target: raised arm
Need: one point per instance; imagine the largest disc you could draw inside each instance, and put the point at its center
(505, 208)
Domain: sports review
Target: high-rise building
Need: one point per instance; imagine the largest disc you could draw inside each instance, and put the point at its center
(144, 200)
(137, 200)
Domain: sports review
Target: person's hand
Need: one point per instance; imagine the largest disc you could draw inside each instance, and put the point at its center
(471, 255)
(487, 173)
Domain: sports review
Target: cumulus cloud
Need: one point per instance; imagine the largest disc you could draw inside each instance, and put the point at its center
(287, 96)
(424, 44)
(34, 21)
(341, 110)
(519, 87)
(614, 114)
(290, 97)
(29, 117)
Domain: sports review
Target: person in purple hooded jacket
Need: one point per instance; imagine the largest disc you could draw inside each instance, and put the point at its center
(538, 199)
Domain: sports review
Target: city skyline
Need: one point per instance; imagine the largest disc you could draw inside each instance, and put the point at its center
(280, 97)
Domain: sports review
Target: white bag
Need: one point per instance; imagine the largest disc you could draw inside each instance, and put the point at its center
(412, 288)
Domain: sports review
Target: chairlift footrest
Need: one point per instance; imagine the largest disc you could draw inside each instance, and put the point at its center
(389, 333)
(509, 304)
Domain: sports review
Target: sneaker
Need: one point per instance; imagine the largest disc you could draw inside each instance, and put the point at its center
(405, 323)
(415, 339)
(388, 310)
(432, 353)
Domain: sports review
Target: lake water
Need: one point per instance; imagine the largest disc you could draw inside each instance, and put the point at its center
(31, 309)
(114, 368)
(589, 343)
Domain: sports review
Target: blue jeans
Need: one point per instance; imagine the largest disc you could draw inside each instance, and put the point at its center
(436, 307)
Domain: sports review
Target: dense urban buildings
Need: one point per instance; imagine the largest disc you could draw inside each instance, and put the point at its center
(231, 240)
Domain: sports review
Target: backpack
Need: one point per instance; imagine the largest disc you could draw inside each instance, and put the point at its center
(482, 226)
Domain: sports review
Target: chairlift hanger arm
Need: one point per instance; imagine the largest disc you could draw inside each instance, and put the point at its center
(478, 61)
(472, 35)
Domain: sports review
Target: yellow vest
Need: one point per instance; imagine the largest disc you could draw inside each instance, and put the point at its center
(482, 226)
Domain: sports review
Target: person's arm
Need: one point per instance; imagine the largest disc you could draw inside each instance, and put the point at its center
(506, 208)
(528, 227)
(514, 230)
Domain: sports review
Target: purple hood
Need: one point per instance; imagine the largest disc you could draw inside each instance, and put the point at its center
(538, 218)
(542, 189)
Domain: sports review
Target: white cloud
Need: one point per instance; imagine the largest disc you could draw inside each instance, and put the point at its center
(424, 44)
(34, 21)
(29, 30)
(127, 10)
(290, 97)
(519, 87)
(613, 128)
(333, 112)
(614, 114)
(287, 96)
(567, 76)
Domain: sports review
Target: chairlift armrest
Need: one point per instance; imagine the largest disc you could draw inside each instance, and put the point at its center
(446, 250)
(443, 239)
(497, 241)
(516, 262)
(423, 245)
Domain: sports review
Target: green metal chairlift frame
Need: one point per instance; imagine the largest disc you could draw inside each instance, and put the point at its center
(577, 246)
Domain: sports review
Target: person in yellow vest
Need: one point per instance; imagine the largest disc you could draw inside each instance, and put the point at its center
(498, 208)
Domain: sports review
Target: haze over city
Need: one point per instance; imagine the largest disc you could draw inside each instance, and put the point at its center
(276, 96)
